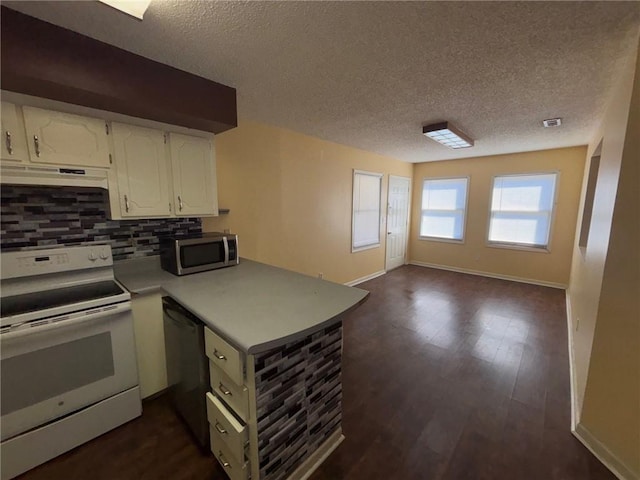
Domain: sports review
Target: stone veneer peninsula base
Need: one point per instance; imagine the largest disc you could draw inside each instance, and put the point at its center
(298, 401)
(293, 419)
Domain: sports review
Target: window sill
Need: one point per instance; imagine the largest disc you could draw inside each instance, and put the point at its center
(523, 248)
(366, 247)
(443, 240)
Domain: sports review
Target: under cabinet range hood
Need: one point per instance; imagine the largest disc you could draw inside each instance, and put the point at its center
(61, 176)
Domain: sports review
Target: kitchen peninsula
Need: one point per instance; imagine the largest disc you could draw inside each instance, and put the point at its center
(274, 344)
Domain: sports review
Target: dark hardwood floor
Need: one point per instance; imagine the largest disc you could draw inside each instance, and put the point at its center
(445, 376)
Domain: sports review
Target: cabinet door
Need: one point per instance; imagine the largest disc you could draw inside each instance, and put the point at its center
(194, 175)
(65, 139)
(141, 171)
(14, 141)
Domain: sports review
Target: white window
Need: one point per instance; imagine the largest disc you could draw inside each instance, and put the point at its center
(444, 202)
(521, 209)
(365, 226)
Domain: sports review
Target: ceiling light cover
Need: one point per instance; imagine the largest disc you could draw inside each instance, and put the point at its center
(135, 8)
(552, 122)
(448, 135)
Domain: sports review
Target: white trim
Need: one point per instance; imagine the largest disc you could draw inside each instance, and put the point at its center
(552, 215)
(379, 176)
(490, 275)
(357, 281)
(572, 366)
(365, 247)
(311, 464)
(441, 239)
(521, 247)
(602, 453)
(464, 211)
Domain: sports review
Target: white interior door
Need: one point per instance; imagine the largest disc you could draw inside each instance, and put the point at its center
(397, 221)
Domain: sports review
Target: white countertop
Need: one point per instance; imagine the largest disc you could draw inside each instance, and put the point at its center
(253, 306)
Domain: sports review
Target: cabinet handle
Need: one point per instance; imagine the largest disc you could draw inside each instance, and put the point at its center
(223, 460)
(180, 202)
(224, 390)
(36, 143)
(220, 429)
(218, 355)
(126, 203)
(8, 142)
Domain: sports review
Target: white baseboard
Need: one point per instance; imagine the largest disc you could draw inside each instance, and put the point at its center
(575, 412)
(490, 275)
(311, 464)
(602, 453)
(357, 281)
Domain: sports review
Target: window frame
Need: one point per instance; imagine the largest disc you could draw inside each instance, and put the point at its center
(456, 241)
(380, 177)
(552, 216)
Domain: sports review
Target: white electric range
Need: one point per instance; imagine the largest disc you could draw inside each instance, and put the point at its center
(67, 353)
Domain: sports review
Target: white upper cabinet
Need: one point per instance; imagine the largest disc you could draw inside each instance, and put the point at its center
(65, 139)
(14, 141)
(142, 172)
(194, 175)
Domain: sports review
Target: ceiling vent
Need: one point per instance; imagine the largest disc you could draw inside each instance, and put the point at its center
(552, 122)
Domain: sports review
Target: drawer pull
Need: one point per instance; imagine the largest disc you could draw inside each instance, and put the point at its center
(223, 460)
(218, 355)
(220, 429)
(36, 144)
(8, 142)
(224, 390)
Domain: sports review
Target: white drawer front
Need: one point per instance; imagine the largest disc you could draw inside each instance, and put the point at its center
(234, 469)
(225, 356)
(225, 426)
(236, 396)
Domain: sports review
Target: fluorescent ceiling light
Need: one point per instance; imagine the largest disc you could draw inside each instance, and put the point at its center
(135, 8)
(447, 135)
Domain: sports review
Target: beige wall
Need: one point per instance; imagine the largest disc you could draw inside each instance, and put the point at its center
(475, 255)
(290, 198)
(605, 287)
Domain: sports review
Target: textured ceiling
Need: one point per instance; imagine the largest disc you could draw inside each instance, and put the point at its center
(370, 74)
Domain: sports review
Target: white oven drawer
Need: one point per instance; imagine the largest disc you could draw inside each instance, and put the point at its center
(233, 468)
(226, 427)
(52, 370)
(236, 396)
(225, 356)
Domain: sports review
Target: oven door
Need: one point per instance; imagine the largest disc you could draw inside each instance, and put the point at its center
(59, 366)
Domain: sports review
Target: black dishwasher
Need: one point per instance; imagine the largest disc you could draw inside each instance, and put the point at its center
(187, 367)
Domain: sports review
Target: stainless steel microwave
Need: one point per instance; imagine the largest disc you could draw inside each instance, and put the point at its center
(197, 253)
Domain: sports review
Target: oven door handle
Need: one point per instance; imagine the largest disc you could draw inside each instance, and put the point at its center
(69, 320)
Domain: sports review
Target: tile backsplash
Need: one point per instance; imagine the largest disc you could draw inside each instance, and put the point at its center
(42, 217)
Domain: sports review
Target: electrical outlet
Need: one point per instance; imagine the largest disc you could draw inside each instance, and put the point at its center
(320, 275)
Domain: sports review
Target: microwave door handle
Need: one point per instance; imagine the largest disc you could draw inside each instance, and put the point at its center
(226, 250)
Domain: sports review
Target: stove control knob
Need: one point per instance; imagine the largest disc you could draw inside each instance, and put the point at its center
(103, 255)
(92, 256)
